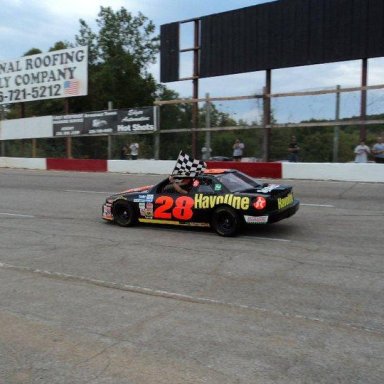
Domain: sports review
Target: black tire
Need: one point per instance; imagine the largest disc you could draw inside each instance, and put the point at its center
(124, 213)
(226, 221)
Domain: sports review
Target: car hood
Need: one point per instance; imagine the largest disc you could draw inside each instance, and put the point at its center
(143, 189)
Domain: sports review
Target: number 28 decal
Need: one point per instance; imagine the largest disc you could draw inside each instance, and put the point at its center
(180, 209)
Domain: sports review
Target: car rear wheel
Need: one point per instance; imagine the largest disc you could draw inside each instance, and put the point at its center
(226, 221)
(124, 214)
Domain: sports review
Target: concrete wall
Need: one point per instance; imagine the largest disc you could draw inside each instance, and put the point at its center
(369, 172)
(21, 162)
(158, 167)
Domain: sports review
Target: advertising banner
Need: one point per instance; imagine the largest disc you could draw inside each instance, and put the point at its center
(100, 122)
(136, 120)
(133, 120)
(68, 125)
(56, 74)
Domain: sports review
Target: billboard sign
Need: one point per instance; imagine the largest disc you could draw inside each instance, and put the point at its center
(68, 125)
(51, 75)
(136, 120)
(133, 120)
(100, 122)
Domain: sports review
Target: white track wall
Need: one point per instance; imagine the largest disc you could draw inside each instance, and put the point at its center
(24, 163)
(158, 167)
(370, 172)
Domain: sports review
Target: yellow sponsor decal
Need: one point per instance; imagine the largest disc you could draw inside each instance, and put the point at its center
(283, 202)
(237, 202)
(171, 222)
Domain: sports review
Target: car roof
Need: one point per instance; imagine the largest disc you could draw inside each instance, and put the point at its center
(216, 171)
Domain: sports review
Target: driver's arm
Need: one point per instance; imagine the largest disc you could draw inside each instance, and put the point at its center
(177, 187)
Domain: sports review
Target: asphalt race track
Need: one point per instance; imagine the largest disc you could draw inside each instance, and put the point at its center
(84, 301)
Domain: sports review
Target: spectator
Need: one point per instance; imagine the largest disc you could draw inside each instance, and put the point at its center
(293, 150)
(124, 152)
(362, 151)
(238, 150)
(205, 153)
(134, 148)
(378, 151)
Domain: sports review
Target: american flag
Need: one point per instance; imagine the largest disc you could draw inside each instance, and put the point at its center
(187, 166)
(71, 87)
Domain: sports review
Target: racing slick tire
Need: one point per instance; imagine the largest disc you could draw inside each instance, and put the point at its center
(226, 221)
(124, 214)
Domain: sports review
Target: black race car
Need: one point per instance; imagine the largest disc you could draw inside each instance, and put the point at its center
(223, 199)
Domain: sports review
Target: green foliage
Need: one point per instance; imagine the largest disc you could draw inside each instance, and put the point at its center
(119, 56)
(50, 148)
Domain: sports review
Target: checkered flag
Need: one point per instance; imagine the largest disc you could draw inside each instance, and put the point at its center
(187, 166)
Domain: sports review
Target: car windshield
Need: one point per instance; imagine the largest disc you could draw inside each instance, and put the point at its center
(236, 182)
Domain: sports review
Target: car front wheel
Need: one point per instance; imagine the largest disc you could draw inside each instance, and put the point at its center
(226, 221)
(124, 214)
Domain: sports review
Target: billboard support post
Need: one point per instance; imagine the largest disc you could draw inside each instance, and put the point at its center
(195, 106)
(336, 129)
(156, 145)
(2, 117)
(109, 149)
(363, 106)
(267, 115)
(207, 125)
(34, 142)
(109, 137)
(68, 139)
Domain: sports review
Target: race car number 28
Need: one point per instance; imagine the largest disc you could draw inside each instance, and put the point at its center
(180, 208)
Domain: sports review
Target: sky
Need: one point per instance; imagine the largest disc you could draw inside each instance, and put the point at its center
(26, 24)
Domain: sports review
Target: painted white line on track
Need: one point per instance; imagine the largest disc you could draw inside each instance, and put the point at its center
(15, 215)
(181, 297)
(266, 238)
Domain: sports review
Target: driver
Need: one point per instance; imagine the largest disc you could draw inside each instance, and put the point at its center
(182, 186)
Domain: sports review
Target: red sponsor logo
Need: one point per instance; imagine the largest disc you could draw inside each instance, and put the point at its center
(260, 203)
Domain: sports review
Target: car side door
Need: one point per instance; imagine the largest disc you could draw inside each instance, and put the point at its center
(170, 205)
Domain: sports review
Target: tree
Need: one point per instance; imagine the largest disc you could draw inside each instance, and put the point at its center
(119, 57)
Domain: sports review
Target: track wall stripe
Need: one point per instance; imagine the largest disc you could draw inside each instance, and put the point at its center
(269, 170)
(77, 165)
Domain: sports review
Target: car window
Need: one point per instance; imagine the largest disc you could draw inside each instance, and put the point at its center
(235, 183)
(204, 188)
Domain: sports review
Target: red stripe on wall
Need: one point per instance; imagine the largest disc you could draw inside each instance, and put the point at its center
(77, 165)
(270, 170)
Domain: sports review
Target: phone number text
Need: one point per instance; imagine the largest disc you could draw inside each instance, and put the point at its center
(21, 94)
